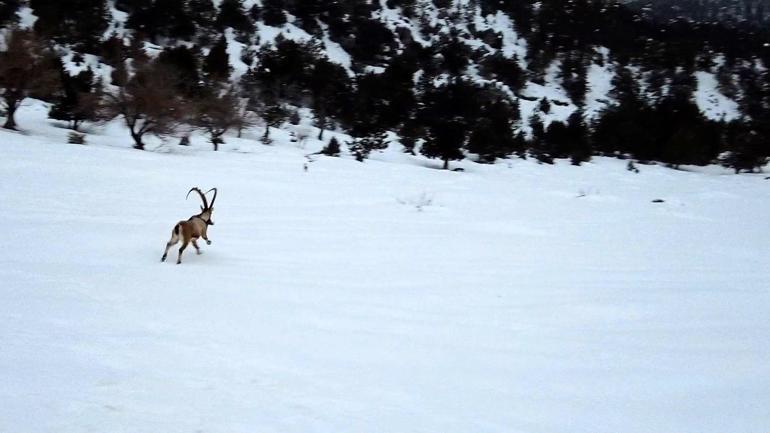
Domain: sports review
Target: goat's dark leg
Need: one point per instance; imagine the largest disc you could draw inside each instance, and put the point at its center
(174, 239)
(181, 250)
(195, 244)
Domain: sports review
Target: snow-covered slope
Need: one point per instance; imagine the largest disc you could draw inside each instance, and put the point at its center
(711, 102)
(426, 25)
(375, 296)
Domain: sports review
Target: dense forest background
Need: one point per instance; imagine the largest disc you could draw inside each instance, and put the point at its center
(746, 14)
(451, 79)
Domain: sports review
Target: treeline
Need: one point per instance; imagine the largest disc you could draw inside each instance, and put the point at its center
(745, 14)
(426, 93)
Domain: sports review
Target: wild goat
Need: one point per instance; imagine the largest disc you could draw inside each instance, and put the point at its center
(195, 227)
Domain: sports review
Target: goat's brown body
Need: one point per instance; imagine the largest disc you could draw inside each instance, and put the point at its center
(193, 228)
(190, 230)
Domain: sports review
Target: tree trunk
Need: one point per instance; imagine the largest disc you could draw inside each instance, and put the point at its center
(446, 164)
(321, 134)
(216, 140)
(10, 121)
(137, 141)
(266, 137)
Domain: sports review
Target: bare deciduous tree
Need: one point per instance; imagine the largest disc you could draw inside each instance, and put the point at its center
(273, 115)
(216, 114)
(148, 103)
(80, 101)
(26, 69)
(88, 108)
(246, 118)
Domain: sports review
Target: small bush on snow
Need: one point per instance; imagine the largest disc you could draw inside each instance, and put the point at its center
(332, 148)
(76, 138)
(419, 202)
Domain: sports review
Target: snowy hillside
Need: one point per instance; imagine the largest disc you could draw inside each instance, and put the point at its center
(453, 79)
(377, 296)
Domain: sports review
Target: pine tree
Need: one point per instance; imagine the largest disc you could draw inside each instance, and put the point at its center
(273, 12)
(140, 16)
(332, 148)
(407, 6)
(410, 132)
(203, 13)
(656, 84)
(556, 142)
(274, 114)
(492, 134)
(574, 75)
(361, 147)
(482, 141)
(539, 146)
(520, 145)
(8, 9)
(746, 150)
(112, 50)
(78, 22)
(682, 147)
(498, 67)
(79, 101)
(455, 55)
(283, 72)
(445, 141)
(184, 61)
(232, 14)
(136, 50)
(119, 75)
(544, 106)
(580, 148)
(173, 19)
(217, 64)
(625, 88)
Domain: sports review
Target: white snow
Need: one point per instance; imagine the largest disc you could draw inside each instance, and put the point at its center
(332, 50)
(551, 90)
(711, 102)
(335, 52)
(394, 18)
(599, 85)
(512, 44)
(26, 17)
(234, 54)
(378, 296)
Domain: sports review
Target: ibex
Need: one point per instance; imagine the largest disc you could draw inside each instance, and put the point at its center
(192, 229)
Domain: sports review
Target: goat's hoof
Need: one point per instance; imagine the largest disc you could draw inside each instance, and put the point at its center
(162, 259)
(178, 263)
(208, 242)
(198, 252)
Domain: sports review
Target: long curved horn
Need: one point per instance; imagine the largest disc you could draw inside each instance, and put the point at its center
(215, 195)
(203, 197)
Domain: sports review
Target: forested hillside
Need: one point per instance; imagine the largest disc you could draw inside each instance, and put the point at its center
(734, 13)
(484, 79)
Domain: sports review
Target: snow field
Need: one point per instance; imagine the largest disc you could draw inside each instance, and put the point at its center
(523, 298)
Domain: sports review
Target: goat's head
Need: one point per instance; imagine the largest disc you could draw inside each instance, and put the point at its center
(206, 208)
